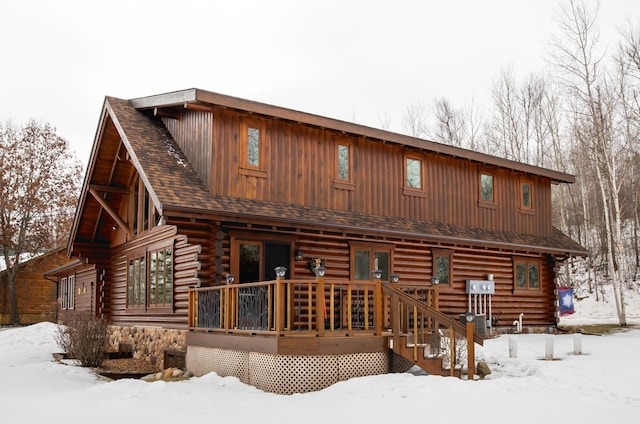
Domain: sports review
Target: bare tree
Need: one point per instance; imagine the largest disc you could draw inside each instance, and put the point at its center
(595, 103)
(414, 121)
(39, 181)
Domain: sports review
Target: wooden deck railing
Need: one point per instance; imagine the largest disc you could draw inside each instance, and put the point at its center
(408, 314)
(281, 306)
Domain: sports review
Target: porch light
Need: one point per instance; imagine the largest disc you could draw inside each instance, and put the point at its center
(298, 254)
(280, 271)
(394, 278)
(320, 271)
(435, 280)
(230, 278)
(377, 273)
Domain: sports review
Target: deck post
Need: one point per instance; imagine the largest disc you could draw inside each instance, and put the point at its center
(377, 302)
(320, 304)
(279, 303)
(394, 314)
(471, 355)
(229, 311)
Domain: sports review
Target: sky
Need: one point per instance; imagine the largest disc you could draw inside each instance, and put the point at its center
(599, 384)
(364, 61)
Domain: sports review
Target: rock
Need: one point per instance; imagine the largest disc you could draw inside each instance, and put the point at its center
(177, 372)
(168, 373)
(482, 369)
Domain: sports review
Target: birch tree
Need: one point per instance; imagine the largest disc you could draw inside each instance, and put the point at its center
(39, 182)
(579, 58)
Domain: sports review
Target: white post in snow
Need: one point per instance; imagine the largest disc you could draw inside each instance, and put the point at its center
(577, 344)
(513, 348)
(548, 353)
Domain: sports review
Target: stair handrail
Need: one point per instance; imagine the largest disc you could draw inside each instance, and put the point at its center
(431, 312)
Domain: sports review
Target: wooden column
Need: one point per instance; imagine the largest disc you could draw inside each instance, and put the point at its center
(471, 354)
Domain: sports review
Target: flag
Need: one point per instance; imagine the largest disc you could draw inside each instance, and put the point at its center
(565, 295)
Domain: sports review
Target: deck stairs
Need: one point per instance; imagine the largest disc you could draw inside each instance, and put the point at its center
(426, 337)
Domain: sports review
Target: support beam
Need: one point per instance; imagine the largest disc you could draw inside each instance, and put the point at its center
(109, 189)
(121, 223)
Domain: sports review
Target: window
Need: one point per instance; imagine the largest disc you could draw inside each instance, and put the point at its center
(150, 277)
(526, 274)
(136, 276)
(365, 257)
(252, 148)
(442, 259)
(343, 162)
(343, 177)
(526, 195)
(161, 277)
(486, 187)
(413, 173)
(67, 295)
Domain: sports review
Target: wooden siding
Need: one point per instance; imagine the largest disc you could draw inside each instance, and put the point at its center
(300, 168)
(193, 133)
(186, 266)
(413, 261)
(36, 294)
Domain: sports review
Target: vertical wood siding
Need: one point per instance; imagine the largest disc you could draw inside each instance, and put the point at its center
(300, 163)
(193, 133)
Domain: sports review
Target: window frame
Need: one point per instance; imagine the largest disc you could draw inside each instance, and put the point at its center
(527, 209)
(338, 182)
(67, 292)
(408, 189)
(138, 291)
(246, 168)
(442, 253)
(373, 248)
(481, 200)
(150, 251)
(528, 263)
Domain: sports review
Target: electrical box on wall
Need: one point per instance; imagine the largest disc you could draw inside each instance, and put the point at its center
(481, 287)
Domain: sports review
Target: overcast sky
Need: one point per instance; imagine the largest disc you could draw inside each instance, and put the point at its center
(361, 60)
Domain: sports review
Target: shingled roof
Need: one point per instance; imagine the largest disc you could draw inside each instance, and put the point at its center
(174, 185)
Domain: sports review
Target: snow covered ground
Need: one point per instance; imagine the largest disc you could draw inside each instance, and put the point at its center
(601, 384)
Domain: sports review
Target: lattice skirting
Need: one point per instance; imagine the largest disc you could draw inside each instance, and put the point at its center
(285, 374)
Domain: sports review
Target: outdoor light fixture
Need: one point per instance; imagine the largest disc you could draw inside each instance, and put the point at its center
(320, 271)
(298, 254)
(435, 280)
(394, 278)
(280, 271)
(230, 278)
(377, 273)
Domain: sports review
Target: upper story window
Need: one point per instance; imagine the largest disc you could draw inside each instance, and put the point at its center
(526, 196)
(414, 173)
(344, 163)
(253, 148)
(486, 187)
(526, 273)
(343, 173)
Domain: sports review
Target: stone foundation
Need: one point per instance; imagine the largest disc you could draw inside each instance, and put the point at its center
(148, 343)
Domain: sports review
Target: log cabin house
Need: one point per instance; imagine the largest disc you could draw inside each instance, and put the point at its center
(36, 294)
(193, 199)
